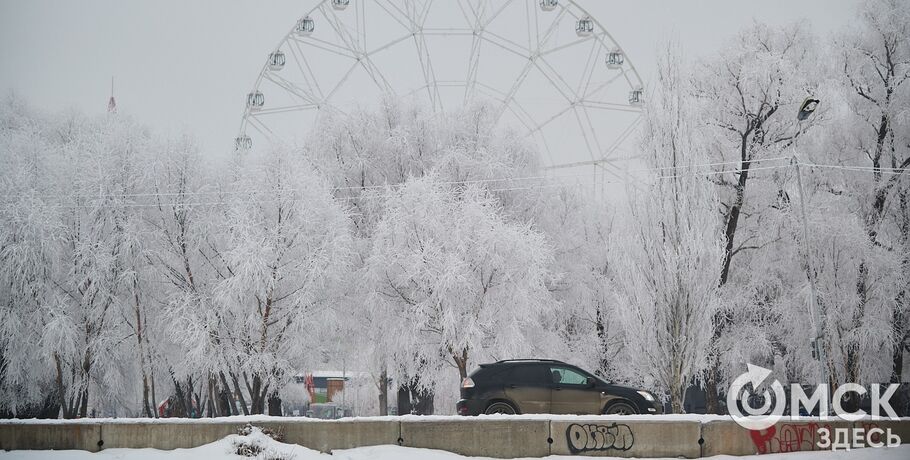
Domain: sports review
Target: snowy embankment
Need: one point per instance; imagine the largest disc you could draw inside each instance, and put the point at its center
(243, 419)
(260, 446)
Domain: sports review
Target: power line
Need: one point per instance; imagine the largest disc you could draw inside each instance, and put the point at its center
(396, 185)
(390, 188)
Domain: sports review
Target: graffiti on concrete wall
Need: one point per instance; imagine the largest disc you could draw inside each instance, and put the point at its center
(592, 437)
(787, 438)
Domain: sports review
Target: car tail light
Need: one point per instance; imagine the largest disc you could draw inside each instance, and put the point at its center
(467, 383)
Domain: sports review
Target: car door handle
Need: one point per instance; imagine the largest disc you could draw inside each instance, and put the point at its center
(558, 389)
(513, 386)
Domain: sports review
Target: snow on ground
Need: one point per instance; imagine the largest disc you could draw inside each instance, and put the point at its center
(267, 448)
(242, 419)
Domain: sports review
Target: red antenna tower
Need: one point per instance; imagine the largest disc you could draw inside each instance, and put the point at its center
(111, 103)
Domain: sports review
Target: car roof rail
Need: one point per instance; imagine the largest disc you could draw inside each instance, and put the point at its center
(529, 360)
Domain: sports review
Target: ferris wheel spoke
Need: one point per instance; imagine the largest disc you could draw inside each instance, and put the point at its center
(291, 88)
(497, 13)
(376, 75)
(587, 133)
(388, 45)
(257, 124)
(522, 115)
(360, 16)
(285, 109)
(590, 66)
(473, 65)
(610, 106)
(428, 73)
(422, 17)
(621, 138)
(528, 6)
(343, 80)
(593, 130)
(326, 46)
(554, 26)
(518, 82)
(305, 70)
(342, 33)
(473, 22)
(603, 85)
(506, 44)
(395, 13)
(556, 80)
(541, 126)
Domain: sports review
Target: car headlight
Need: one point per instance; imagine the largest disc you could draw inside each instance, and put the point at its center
(648, 396)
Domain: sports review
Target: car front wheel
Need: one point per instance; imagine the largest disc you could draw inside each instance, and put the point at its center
(620, 408)
(500, 407)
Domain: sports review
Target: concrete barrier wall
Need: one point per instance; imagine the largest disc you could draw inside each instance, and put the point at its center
(164, 436)
(330, 435)
(54, 436)
(479, 437)
(619, 438)
(500, 438)
(726, 437)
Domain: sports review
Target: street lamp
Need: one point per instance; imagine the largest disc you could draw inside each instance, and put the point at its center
(819, 350)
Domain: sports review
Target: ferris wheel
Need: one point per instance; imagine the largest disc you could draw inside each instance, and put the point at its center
(552, 70)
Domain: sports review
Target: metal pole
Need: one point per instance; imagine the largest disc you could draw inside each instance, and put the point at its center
(819, 342)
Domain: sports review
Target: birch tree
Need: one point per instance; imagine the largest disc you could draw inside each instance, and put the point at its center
(669, 246)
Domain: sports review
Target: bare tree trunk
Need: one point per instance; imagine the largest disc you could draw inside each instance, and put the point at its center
(227, 388)
(383, 393)
(274, 404)
(154, 399)
(677, 398)
(61, 389)
(246, 410)
(462, 362)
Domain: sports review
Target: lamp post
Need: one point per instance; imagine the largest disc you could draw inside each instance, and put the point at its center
(819, 349)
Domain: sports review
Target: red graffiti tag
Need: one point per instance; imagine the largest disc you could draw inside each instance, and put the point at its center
(791, 438)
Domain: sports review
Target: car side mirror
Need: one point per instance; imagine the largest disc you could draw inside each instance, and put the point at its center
(591, 381)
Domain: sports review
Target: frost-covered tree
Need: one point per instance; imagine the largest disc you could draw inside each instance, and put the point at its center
(27, 250)
(367, 150)
(182, 243)
(453, 282)
(284, 249)
(669, 245)
(750, 94)
(873, 62)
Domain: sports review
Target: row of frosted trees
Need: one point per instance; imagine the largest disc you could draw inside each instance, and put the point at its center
(412, 246)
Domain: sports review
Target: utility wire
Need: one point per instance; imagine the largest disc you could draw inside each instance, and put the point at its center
(390, 188)
(385, 186)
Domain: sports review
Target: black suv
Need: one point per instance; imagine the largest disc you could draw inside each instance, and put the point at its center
(545, 386)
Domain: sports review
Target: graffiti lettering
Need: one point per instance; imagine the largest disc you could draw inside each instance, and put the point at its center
(590, 437)
(790, 438)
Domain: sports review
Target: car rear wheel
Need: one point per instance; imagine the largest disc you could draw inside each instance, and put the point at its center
(500, 407)
(620, 408)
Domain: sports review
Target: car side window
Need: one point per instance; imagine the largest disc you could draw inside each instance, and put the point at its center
(566, 376)
(528, 374)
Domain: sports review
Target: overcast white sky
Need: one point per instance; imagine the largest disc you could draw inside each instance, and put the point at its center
(185, 66)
